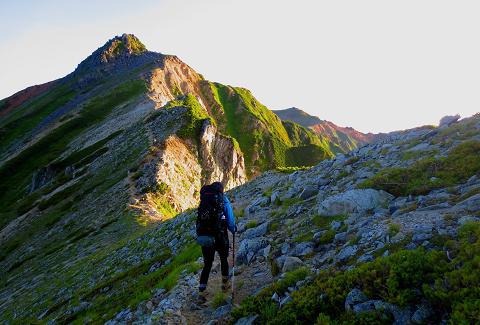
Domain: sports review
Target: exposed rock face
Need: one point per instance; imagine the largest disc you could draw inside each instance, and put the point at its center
(220, 158)
(172, 79)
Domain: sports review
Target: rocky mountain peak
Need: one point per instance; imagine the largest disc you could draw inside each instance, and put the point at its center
(124, 45)
(117, 54)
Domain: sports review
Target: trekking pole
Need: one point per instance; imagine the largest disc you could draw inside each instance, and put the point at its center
(233, 269)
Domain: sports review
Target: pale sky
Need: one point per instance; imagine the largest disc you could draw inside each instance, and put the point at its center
(374, 65)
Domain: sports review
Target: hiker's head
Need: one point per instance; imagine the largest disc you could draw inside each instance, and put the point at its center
(218, 186)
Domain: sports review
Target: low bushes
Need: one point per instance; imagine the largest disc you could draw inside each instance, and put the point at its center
(427, 174)
(406, 278)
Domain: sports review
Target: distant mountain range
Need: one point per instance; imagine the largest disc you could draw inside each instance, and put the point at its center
(342, 139)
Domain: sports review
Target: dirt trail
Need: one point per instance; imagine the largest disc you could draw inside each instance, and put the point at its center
(249, 279)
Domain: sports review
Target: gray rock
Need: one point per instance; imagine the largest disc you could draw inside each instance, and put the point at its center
(248, 320)
(285, 248)
(322, 181)
(222, 311)
(463, 220)
(364, 306)
(275, 297)
(340, 237)
(291, 263)
(472, 204)
(346, 253)
(258, 203)
(411, 246)
(421, 237)
(285, 300)
(318, 235)
(280, 260)
(354, 201)
(335, 225)
(420, 147)
(397, 238)
(256, 232)
(401, 316)
(365, 258)
(308, 192)
(421, 315)
(302, 249)
(248, 248)
(448, 120)
(472, 180)
(354, 297)
(275, 197)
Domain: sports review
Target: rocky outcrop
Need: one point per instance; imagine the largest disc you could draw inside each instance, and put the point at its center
(448, 120)
(220, 157)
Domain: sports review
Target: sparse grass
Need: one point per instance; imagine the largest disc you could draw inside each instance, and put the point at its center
(343, 174)
(468, 194)
(251, 224)
(16, 173)
(25, 117)
(239, 212)
(352, 160)
(273, 226)
(324, 222)
(290, 169)
(408, 155)
(425, 175)
(307, 236)
(327, 237)
(262, 303)
(393, 229)
(219, 299)
(128, 288)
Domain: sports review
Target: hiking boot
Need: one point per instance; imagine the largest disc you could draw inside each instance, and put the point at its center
(202, 288)
(225, 283)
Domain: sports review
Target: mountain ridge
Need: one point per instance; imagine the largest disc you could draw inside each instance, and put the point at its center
(346, 138)
(101, 174)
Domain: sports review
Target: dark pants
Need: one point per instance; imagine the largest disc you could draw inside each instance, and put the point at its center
(209, 255)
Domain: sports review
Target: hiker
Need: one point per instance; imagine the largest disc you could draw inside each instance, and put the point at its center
(215, 216)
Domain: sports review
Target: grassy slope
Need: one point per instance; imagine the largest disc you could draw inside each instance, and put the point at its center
(429, 173)
(29, 114)
(17, 172)
(260, 133)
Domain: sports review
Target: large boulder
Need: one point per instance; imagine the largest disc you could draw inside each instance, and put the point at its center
(256, 232)
(248, 248)
(291, 263)
(472, 204)
(354, 297)
(308, 192)
(448, 120)
(346, 253)
(354, 201)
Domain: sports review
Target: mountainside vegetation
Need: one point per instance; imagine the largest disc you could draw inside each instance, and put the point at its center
(101, 172)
